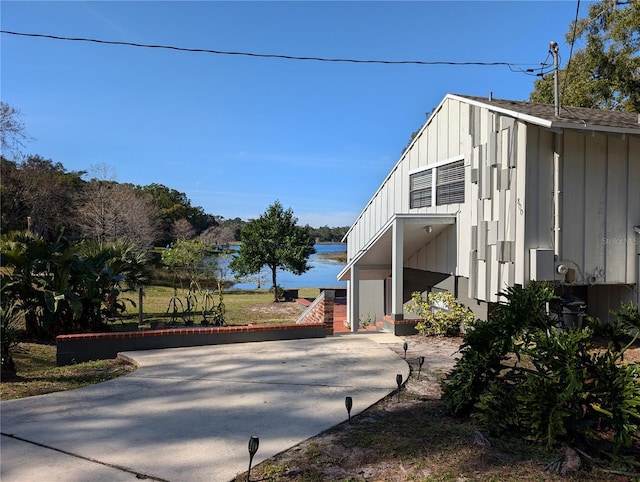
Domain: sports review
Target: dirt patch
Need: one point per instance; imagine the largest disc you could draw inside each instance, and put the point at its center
(440, 355)
(283, 309)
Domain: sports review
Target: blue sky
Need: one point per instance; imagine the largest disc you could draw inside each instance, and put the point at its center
(236, 133)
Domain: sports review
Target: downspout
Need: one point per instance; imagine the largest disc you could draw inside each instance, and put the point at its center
(557, 161)
(557, 196)
(637, 231)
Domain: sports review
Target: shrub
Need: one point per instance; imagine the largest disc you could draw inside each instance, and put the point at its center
(62, 288)
(520, 372)
(10, 317)
(441, 313)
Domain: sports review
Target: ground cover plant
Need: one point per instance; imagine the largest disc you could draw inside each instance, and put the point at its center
(440, 313)
(63, 288)
(519, 372)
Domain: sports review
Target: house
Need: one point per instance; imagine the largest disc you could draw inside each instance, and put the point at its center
(494, 193)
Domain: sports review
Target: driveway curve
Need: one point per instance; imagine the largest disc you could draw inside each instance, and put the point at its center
(187, 413)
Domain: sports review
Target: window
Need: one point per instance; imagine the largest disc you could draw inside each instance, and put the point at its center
(450, 183)
(420, 189)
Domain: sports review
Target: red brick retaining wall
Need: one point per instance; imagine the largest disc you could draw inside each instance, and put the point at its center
(320, 311)
(400, 327)
(97, 346)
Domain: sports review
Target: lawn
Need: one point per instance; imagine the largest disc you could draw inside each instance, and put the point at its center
(241, 307)
(38, 374)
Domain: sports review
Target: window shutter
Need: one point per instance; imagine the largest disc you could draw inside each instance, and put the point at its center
(450, 183)
(420, 185)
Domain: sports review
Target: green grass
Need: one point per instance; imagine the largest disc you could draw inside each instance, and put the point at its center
(37, 372)
(241, 307)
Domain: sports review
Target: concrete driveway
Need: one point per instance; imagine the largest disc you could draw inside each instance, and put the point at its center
(187, 413)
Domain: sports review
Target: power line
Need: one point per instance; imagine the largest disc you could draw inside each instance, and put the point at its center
(512, 66)
(573, 41)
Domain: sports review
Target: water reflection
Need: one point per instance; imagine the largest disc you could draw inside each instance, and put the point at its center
(323, 272)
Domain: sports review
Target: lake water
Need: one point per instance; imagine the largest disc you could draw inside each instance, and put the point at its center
(323, 272)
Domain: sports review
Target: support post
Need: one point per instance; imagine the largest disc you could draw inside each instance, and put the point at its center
(140, 310)
(397, 270)
(553, 48)
(354, 299)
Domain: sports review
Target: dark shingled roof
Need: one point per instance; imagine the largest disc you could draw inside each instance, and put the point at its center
(578, 116)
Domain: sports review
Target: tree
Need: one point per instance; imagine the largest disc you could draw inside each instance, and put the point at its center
(39, 195)
(174, 205)
(276, 241)
(191, 257)
(325, 234)
(181, 229)
(605, 74)
(236, 226)
(115, 211)
(13, 134)
(218, 235)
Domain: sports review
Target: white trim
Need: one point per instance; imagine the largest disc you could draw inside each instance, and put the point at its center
(511, 113)
(438, 164)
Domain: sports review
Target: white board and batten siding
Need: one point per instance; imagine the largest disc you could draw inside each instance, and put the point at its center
(601, 206)
(508, 208)
(483, 244)
(439, 140)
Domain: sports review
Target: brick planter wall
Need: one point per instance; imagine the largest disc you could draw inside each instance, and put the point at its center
(400, 327)
(97, 346)
(320, 311)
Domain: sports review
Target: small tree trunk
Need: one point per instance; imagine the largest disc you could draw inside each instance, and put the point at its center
(31, 324)
(274, 283)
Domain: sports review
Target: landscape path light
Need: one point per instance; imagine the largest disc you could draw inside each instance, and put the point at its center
(348, 402)
(254, 442)
(399, 382)
(420, 363)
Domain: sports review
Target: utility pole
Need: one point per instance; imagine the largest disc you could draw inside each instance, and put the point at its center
(553, 48)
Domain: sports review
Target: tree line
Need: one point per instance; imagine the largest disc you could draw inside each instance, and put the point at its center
(41, 196)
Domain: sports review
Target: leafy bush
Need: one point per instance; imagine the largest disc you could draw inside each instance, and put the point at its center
(9, 318)
(518, 371)
(62, 288)
(441, 313)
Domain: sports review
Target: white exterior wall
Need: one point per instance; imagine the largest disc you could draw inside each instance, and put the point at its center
(601, 207)
(509, 201)
(371, 300)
